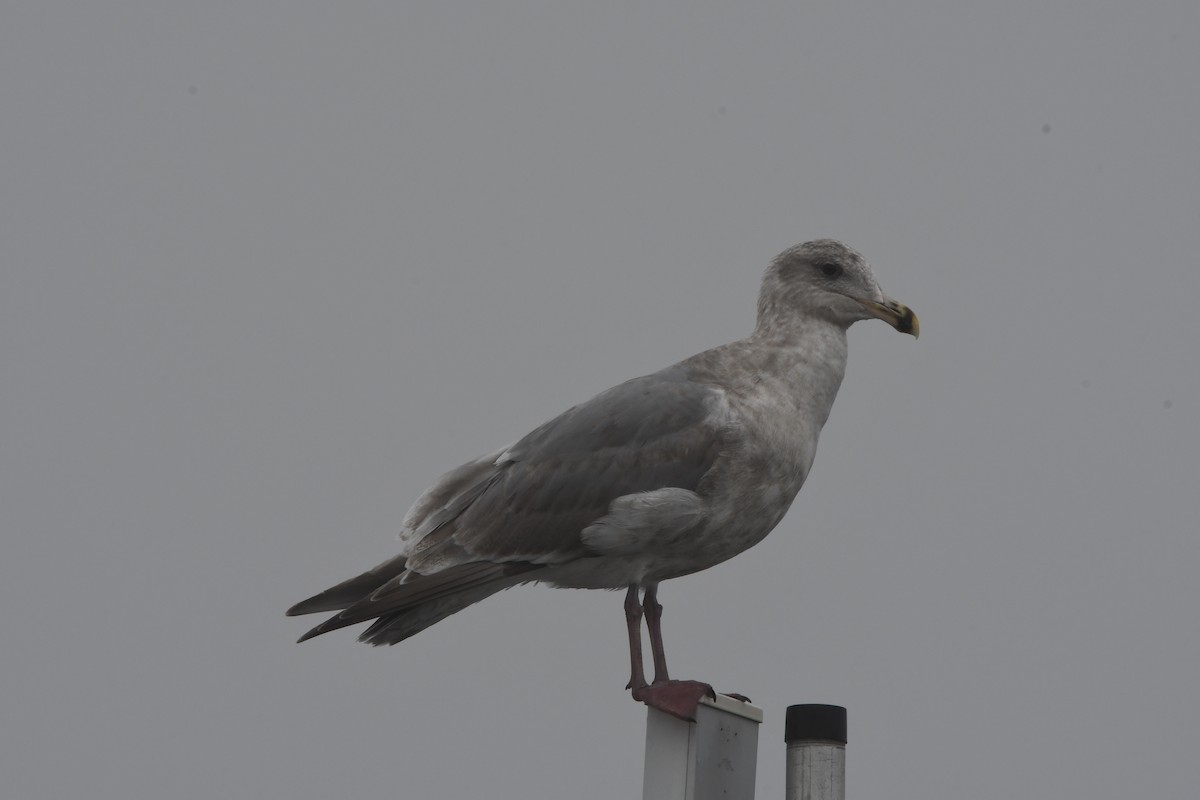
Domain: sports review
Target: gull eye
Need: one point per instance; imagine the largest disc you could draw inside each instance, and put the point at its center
(830, 270)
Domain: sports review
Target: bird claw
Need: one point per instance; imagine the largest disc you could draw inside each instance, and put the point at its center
(677, 698)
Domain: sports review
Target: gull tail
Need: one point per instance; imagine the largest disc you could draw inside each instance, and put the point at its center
(405, 603)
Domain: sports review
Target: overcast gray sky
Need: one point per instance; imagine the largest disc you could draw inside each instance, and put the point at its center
(266, 270)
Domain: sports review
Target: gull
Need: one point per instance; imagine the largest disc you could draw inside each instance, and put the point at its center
(658, 477)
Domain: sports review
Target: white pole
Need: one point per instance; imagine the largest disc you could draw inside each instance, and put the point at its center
(714, 757)
(816, 752)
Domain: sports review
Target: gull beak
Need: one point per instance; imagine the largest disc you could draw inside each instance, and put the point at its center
(898, 315)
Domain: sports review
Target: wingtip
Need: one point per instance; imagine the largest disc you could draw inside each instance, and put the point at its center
(332, 624)
(303, 607)
(313, 605)
(314, 632)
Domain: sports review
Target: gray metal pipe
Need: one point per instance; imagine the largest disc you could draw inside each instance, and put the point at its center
(816, 752)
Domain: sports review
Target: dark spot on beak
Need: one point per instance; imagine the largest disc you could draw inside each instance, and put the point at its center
(905, 325)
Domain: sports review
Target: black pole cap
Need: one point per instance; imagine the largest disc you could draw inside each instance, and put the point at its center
(815, 722)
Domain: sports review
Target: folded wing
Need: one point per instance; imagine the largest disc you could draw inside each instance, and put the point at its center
(504, 518)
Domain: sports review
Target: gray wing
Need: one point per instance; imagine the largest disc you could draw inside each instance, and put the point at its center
(532, 501)
(501, 519)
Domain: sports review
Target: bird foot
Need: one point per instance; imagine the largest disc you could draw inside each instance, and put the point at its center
(677, 698)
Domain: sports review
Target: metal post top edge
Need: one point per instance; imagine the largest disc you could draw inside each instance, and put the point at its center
(731, 705)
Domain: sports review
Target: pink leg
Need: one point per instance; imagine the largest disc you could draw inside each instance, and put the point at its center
(677, 698)
(633, 620)
(654, 627)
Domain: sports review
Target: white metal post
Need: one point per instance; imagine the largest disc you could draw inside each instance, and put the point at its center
(816, 752)
(714, 757)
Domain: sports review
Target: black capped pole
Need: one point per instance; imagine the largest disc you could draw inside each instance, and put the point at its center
(816, 752)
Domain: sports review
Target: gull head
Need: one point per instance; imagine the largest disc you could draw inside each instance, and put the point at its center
(827, 280)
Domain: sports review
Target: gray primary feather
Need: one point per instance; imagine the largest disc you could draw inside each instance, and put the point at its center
(657, 477)
(349, 592)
